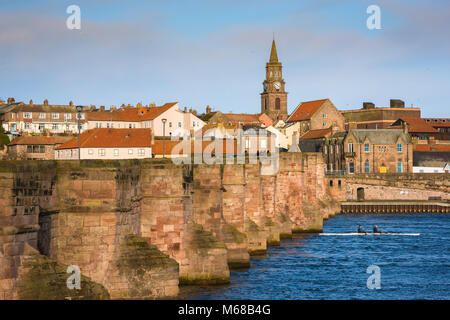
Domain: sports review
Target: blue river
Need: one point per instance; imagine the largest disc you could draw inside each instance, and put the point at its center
(315, 267)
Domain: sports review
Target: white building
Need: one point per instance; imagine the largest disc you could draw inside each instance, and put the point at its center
(107, 143)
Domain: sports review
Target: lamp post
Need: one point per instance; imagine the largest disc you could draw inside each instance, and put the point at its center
(79, 109)
(164, 120)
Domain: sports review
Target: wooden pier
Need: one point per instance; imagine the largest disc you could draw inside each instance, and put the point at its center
(395, 206)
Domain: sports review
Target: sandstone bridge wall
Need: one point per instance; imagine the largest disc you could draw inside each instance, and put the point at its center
(138, 229)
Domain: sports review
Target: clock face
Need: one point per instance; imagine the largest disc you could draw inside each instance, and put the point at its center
(277, 85)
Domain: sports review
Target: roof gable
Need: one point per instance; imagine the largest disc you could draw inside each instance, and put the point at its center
(305, 110)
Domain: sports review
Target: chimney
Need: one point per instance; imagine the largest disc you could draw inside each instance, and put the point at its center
(194, 112)
(71, 103)
(31, 102)
(102, 108)
(11, 100)
(45, 102)
(405, 127)
(139, 105)
(2, 102)
(112, 108)
(208, 109)
(185, 109)
(190, 110)
(352, 126)
(368, 105)
(92, 108)
(397, 103)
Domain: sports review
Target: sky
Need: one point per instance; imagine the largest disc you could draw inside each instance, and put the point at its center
(213, 52)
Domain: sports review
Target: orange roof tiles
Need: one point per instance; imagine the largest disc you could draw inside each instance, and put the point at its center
(315, 134)
(417, 125)
(432, 147)
(111, 138)
(305, 110)
(157, 147)
(129, 114)
(48, 140)
(154, 112)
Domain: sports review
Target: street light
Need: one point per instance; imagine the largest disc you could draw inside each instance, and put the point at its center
(79, 109)
(164, 120)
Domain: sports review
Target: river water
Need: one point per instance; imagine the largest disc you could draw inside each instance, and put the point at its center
(335, 267)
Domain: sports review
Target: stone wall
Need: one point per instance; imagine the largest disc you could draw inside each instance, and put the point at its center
(138, 229)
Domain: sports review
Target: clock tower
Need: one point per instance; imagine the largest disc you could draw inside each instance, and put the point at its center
(273, 97)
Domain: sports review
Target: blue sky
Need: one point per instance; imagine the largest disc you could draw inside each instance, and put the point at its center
(214, 52)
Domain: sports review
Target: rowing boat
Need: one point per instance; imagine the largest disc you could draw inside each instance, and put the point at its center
(369, 234)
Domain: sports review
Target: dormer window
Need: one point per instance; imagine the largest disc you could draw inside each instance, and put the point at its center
(366, 147)
(399, 147)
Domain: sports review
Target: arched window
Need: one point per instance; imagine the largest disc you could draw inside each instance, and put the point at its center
(277, 103)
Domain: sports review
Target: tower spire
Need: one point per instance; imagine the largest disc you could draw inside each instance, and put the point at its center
(273, 52)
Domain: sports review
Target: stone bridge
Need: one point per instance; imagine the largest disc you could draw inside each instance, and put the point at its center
(138, 229)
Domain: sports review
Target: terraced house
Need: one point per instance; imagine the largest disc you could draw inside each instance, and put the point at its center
(20, 117)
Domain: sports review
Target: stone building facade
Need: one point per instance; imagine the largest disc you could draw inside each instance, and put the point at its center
(316, 115)
(378, 151)
(35, 147)
(371, 117)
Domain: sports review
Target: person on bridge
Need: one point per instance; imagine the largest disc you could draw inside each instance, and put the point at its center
(376, 230)
(361, 230)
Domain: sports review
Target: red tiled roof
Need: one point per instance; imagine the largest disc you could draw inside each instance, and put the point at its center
(129, 114)
(432, 147)
(416, 125)
(315, 134)
(111, 138)
(305, 110)
(157, 147)
(48, 140)
(154, 112)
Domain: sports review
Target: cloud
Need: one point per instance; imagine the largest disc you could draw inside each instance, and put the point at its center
(149, 58)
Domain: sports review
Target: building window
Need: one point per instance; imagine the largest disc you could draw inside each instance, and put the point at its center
(170, 124)
(367, 166)
(324, 124)
(399, 147)
(91, 151)
(107, 125)
(399, 167)
(41, 126)
(101, 152)
(350, 147)
(351, 167)
(179, 124)
(27, 115)
(54, 126)
(277, 103)
(193, 123)
(27, 126)
(116, 152)
(55, 115)
(366, 147)
(130, 151)
(263, 143)
(67, 116)
(42, 115)
(12, 115)
(29, 149)
(324, 115)
(141, 152)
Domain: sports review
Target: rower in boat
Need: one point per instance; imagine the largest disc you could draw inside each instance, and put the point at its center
(361, 230)
(376, 230)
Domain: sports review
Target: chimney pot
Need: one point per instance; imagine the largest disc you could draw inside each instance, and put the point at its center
(397, 103)
(45, 102)
(368, 105)
(11, 100)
